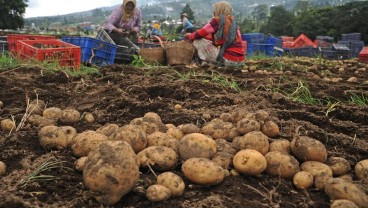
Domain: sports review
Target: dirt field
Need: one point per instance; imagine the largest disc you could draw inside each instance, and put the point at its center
(121, 93)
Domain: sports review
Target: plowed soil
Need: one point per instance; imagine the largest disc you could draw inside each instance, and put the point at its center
(121, 93)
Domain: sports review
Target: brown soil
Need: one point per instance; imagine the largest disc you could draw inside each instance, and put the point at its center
(121, 93)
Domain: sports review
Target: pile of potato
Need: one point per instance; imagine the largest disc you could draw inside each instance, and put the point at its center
(240, 142)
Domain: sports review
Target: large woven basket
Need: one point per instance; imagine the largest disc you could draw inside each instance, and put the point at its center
(153, 55)
(179, 52)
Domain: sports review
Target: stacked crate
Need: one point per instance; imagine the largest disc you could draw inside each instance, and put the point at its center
(13, 39)
(363, 55)
(353, 42)
(256, 44)
(324, 41)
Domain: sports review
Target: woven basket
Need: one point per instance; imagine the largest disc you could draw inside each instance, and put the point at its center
(153, 55)
(179, 52)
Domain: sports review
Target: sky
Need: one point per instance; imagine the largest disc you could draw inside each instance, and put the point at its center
(39, 8)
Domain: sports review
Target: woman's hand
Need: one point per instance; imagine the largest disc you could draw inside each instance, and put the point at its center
(135, 29)
(187, 36)
(121, 31)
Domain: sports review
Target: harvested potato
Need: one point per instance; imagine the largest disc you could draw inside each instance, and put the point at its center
(151, 124)
(308, 149)
(337, 188)
(70, 134)
(303, 180)
(69, 116)
(280, 145)
(247, 125)
(178, 107)
(87, 141)
(315, 168)
(158, 157)
(346, 177)
(52, 113)
(2, 168)
(249, 162)
(79, 164)
(361, 169)
(37, 107)
(133, 134)
(173, 182)
(226, 117)
(176, 133)
(111, 171)
(8, 125)
(156, 193)
(218, 129)
(1, 104)
(281, 164)
(152, 115)
(37, 120)
(157, 139)
(52, 137)
(253, 140)
(320, 180)
(190, 128)
(239, 114)
(343, 203)
(196, 145)
(223, 159)
(261, 115)
(89, 118)
(107, 129)
(224, 146)
(270, 129)
(338, 165)
(203, 171)
(169, 126)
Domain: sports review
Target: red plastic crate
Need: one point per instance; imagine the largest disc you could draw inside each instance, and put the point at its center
(363, 55)
(50, 51)
(14, 38)
(302, 41)
(287, 38)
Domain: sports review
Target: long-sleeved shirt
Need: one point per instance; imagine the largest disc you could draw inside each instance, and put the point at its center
(115, 20)
(235, 52)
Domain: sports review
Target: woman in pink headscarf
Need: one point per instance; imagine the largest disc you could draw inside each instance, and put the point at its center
(125, 20)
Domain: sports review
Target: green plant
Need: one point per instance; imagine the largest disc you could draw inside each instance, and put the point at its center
(331, 107)
(138, 61)
(361, 100)
(223, 81)
(303, 95)
(7, 61)
(186, 76)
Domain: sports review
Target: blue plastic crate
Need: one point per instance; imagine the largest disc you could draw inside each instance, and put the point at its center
(277, 42)
(351, 37)
(325, 38)
(305, 51)
(356, 47)
(253, 38)
(93, 51)
(328, 54)
(255, 49)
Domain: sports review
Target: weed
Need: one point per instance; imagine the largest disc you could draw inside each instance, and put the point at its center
(223, 81)
(7, 61)
(303, 95)
(138, 61)
(331, 107)
(361, 100)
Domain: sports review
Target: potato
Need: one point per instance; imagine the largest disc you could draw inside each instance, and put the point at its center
(37, 107)
(197, 145)
(308, 149)
(223, 159)
(315, 168)
(343, 203)
(346, 177)
(190, 128)
(69, 116)
(169, 126)
(70, 134)
(111, 171)
(52, 137)
(37, 120)
(239, 114)
(203, 171)
(361, 169)
(226, 117)
(253, 140)
(8, 125)
(320, 180)
(107, 129)
(152, 115)
(52, 113)
(303, 180)
(2, 168)
(338, 165)
(281, 164)
(79, 164)
(151, 124)
(337, 188)
(133, 134)
(87, 141)
(261, 115)
(247, 125)
(158, 138)
(224, 146)
(89, 118)
(1, 104)
(176, 133)
(156, 193)
(270, 129)
(173, 182)
(249, 162)
(218, 129)
(280, 145)
(158, 157)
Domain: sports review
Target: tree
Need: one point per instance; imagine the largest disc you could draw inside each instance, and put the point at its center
(279, 23)
(189, 12)
(11, 13)
(260, 14)
(247, 26)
